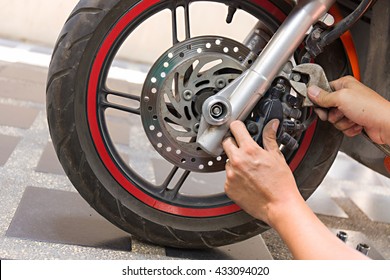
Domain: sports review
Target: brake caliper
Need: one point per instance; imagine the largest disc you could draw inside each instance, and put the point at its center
(288, 102)
(276, 104)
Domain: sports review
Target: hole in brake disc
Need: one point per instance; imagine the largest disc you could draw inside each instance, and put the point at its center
(172, 102)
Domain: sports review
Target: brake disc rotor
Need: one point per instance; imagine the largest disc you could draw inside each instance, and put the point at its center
(175, 89)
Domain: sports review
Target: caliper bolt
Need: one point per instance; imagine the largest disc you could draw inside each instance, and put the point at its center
(292, 100)
(252, 128)
(278, 90)
(316, 34)
(291, 112)
(187, 95)
(288, 141)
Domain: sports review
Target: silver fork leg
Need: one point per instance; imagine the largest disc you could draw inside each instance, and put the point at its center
(240, 97)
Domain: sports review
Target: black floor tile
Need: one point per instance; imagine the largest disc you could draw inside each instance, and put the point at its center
(23, 72)
(49, 162)
(7, 146)
(15, 116)
(22, 90)
(64, 217)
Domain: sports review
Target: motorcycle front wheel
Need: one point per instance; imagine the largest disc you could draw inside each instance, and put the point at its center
(155, 183)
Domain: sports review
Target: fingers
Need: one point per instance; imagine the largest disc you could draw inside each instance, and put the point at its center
(344, 124)
(241, 134)
(344, 82)
(243, 139)
(353, 131)
(332, 115)
(343, 97)
(230, 146)
(269, 136)
(321, 97)
(322, 114)
(335, 115)
(337, 84)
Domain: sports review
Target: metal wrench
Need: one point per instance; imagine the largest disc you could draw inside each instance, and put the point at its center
(316, 76)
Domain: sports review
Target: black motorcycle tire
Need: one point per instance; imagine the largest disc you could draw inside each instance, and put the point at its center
(70, 69)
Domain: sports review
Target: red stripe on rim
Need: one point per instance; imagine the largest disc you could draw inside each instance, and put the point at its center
(98, 139)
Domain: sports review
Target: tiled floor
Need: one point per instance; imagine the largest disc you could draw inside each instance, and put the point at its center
(321, 203)
(63, 217)
(375, 206)
(352, 197)
(48, 163)
(7, 146)
(15, 116)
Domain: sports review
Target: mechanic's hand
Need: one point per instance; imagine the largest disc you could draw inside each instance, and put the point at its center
(354, 107)
(258, 180)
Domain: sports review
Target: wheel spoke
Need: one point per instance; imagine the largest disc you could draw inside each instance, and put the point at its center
(171, 193)
(180, 183)
(123, 95)
(120, 105)
(106, 104)
(168, 180)
(175, 23)
(174, 27)
(187, 20)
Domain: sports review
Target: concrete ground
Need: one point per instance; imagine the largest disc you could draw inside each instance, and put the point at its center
(352, 198)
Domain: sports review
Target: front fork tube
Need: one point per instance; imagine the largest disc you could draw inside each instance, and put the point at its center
(241, 96)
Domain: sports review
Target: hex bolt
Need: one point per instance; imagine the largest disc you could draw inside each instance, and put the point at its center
(252, 128)
(316, 35)
(281, 87)
(296, 77)
(363, 248)
(220, 83)
(291, 112)
(187, 95)
(288, 141)
(342, 235)
(216, 110)
(292, 100)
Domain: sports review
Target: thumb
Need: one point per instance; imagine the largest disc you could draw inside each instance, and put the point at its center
(321, 97)
(269, 135)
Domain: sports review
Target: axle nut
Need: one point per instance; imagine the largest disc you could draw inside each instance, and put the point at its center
(216, 110)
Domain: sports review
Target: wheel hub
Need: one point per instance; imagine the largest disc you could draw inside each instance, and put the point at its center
(175, 90)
